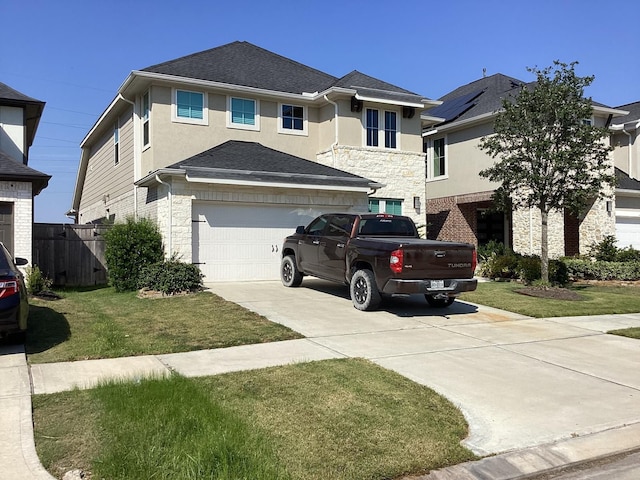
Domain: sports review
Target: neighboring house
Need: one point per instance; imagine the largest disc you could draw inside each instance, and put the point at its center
(231, 148)
(19, 118)
(459, 205)
(627, 161)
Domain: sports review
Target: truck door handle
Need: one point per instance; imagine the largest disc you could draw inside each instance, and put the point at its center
(340, 245)
(316, 242)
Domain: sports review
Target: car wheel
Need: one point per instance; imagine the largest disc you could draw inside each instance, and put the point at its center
(364, 291)
(289, 273)
(439, 302)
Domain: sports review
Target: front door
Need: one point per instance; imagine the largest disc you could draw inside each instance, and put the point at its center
(6, 226)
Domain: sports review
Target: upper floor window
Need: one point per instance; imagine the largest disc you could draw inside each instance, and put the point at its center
(190, 107)
(437, 165)
(243, 113)
(146, 108)
(292, 119)
(116, 144)
(381, 124)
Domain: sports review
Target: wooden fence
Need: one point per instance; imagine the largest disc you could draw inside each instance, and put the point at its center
(70, 255)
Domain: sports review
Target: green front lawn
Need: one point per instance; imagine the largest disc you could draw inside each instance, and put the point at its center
(100, 323)
(338, 419)
(594, 300)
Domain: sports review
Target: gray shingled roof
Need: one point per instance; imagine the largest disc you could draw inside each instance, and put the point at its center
(255, 162)
(241, 63)
(625, 182)
(8, 93)
(245, 64)
(10, 169)
(634, 113)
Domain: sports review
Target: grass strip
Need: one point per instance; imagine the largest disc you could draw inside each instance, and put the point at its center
(594, 300)
(100, 323)
(338, 419)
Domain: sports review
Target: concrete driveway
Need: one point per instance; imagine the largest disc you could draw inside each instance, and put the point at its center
(520, 382)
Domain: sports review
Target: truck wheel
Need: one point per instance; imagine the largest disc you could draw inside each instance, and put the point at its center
(289, 273)
(439, 302)
(364, 291)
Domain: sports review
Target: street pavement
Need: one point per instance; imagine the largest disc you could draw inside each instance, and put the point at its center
(538, 394)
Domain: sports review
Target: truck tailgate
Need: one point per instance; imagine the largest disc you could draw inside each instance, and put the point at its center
(424, 259)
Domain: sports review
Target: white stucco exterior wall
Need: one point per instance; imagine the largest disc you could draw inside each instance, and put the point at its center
(19, 193)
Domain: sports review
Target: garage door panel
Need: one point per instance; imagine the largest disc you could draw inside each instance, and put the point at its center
(244, 242)
(628, 232)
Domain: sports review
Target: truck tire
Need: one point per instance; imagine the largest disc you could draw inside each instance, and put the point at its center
(439, 302)
(289, 273)
(364, 291)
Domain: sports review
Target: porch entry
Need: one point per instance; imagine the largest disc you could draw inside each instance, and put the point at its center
(6, 225)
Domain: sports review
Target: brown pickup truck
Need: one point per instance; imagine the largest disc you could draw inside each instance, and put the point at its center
(378, 254)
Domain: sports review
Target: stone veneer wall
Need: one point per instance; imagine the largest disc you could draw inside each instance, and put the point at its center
(19, 193)
(402, 173)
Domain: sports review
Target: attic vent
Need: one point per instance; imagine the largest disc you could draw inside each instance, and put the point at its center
(408, 112)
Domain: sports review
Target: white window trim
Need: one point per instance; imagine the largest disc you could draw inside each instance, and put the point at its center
(291, 131)
(193, 121)
(381, 125)
(145, 146)
(243, 126)
(430, 158)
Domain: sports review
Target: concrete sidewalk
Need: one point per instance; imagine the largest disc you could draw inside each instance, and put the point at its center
(537, 393)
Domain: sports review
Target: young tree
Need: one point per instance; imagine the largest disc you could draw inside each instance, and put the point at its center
(549, 156)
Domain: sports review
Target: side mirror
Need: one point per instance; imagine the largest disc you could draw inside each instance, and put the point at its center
(21, 261)
(300, 230)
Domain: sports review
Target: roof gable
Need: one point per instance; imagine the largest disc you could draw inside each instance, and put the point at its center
(633, 116)
(245, 64)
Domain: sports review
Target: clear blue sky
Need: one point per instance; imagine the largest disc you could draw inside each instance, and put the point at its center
(75, 54)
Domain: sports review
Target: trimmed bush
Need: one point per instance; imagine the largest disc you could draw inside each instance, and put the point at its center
(171, 277)
(130, 247)
(586, 269)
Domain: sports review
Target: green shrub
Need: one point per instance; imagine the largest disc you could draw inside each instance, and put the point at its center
(628, 254)
(131, 246)
(485, 252)
(501, 266)
(598, 270)
(605, 250)
(171, 277)
(529, 268)
(36, 281)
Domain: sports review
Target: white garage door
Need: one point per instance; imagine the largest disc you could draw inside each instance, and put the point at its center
(244, 242)
(628, 232)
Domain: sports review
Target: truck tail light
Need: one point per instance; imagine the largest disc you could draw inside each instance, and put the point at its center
(474, 261)
(8, 288)
(396, 261)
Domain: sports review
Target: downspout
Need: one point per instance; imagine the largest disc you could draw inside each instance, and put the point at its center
(135, 188)
(170, 200)
(335, 143)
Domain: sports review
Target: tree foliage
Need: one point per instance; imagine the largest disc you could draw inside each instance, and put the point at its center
(549, 155)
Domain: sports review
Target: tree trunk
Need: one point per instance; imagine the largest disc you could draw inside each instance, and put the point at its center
(544, 247)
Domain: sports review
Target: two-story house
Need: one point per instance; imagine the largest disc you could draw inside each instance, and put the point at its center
(231, 148)
(459, 205)
(19, 184)
(627, 161)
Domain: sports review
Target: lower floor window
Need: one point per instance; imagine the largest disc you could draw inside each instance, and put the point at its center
(380, 205)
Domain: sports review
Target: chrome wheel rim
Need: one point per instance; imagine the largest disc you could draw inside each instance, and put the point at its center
(287, 272)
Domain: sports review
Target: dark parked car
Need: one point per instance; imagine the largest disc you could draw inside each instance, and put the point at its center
(14, 306)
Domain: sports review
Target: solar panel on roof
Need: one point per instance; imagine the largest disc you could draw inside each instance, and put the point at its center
(452, 109)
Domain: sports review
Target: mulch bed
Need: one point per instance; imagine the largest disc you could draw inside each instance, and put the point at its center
(550, 292)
